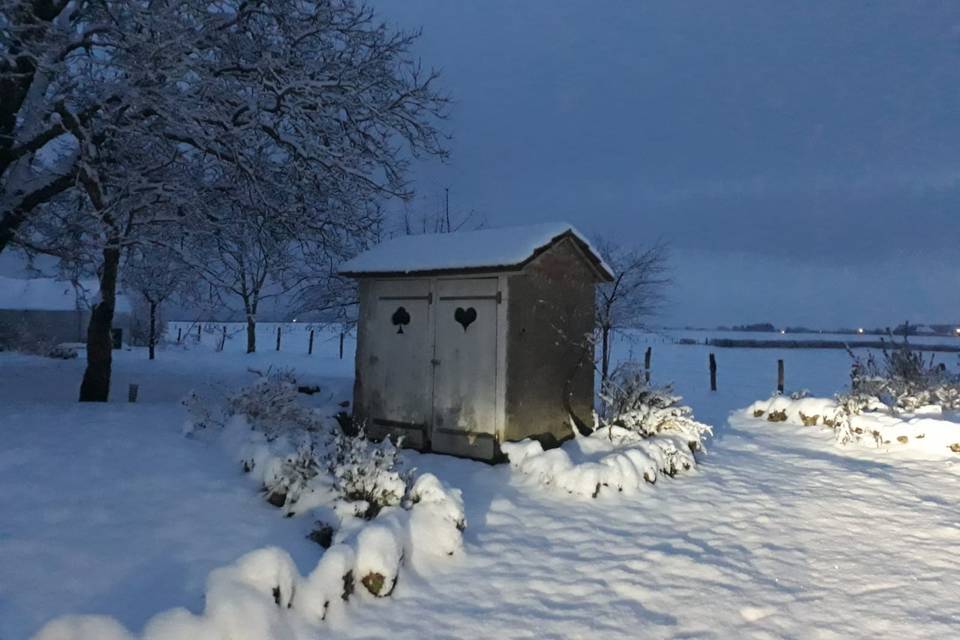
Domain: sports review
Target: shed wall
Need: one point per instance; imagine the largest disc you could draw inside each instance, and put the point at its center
(550, 316)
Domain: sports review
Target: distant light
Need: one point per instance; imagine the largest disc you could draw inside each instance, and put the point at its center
(783, 332)
(861, 330)
(294, 319)
(958, 331)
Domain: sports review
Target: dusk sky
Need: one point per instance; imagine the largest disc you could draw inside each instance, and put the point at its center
(802, 159)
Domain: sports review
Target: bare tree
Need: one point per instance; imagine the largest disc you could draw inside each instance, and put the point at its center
(156, 274)
(248, 260)
(312, 108)
(439, 218)
(641, 278)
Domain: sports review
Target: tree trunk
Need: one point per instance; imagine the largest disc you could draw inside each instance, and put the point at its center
(251, 333)
(153, 329)
(96, 378)
(604, 353)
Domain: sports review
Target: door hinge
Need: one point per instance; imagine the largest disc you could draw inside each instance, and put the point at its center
(499, 297)
(430, 298)
(435, 362)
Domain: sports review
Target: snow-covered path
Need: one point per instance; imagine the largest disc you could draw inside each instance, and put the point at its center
(778, 535)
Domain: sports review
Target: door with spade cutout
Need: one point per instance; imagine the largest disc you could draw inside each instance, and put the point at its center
(465, 366)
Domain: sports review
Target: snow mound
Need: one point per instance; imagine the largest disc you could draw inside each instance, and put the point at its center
(262, 595)
(379, 554)
(270, 570)
(925, 431)
(438, 516)
(331, 581)
(610, 458)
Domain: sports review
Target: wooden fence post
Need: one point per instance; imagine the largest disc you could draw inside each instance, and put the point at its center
(341, 345)
(278, 338)
(132, 391)
(179, 334)
(199, 327)
(223, 339)
(310, 347)
(780, 376)
(713, 372)
(646, 364)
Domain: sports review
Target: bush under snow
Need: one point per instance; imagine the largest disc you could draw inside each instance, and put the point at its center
(367, 473)
(305, 463)
(632, 403)
(895, 401)
(646, 433)
(857, 418)
(301, 455)
(905, 379)
(611, 458)
(262, 595)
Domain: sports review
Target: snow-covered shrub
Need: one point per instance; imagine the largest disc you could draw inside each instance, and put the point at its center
(848, 406)
(611, 458)
(367, 473)
(632, 403)
(904, 379)
(329, 582)
(200, 417)
(437, 516)
(272, 405)
(292, 477)
(862, 419)
(379, 554)
(23, 337)
(262, 594)
(269, 570)
(62, 352)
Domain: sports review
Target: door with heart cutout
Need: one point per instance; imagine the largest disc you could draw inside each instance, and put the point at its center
(465, 365)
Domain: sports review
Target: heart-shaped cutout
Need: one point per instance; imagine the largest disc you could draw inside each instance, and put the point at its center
(465, 316)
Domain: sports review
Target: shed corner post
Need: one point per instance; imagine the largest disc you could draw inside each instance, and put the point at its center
(503, 303)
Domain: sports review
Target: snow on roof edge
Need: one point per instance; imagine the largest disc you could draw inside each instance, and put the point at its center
(500, 247)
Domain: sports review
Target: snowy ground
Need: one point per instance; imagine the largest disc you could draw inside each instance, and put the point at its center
(778, 533)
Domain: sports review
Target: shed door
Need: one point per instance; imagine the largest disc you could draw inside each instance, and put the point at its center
(465, 367)
(399, 359)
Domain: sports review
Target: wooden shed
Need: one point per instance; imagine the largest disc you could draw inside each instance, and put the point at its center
(466, 340)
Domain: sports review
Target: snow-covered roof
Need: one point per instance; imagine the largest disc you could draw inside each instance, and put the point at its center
(505, 247)
(49, 294)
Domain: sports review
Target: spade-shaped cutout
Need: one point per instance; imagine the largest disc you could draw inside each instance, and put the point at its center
(465, 316)
(400, 318)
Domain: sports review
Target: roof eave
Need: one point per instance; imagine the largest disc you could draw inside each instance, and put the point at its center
(432, 272)
(595, 262)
